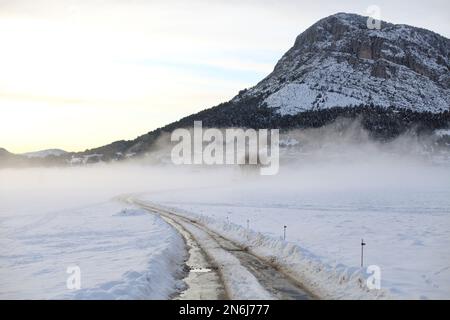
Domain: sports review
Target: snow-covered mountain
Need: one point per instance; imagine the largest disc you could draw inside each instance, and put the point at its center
(7, 158)
(5, 154)
(340, 62)
(3, 151)
(393, 79)
(45, 153)
(50, 157)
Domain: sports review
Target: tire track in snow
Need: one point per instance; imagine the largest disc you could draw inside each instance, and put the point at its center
(245, 275)
(203, 279)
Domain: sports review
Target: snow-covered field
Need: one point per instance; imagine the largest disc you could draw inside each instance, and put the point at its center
(47, 226)
(402, 212)
(52, 219)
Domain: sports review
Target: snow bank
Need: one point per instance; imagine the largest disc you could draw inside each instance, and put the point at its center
(443, 132)
(160, 280)
(121, 252)
(322, 280)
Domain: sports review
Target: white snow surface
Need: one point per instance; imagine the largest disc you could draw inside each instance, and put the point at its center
(55, 218)
(407, 229)
(295, 98)
(442, 132)
(51, 219)
(122, 253)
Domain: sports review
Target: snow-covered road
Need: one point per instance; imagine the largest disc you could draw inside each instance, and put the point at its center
(245, 276)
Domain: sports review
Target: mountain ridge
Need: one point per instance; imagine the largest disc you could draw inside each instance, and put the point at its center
(338, 61)
(347, 36)
(45, 153)
(393, 80)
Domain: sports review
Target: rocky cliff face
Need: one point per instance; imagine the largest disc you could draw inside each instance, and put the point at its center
(339, 62)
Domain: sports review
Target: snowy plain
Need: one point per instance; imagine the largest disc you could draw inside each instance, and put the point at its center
(402, 212)
(53, 219)
(330, 198)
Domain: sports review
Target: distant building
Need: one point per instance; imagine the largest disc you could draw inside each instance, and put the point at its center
(86, 159)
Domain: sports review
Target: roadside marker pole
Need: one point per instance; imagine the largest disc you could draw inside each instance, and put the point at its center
(284, 234)
(248, 229)
(362, 252)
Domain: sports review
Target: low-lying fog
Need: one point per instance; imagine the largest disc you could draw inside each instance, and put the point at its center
(321, 172)
(317, 159)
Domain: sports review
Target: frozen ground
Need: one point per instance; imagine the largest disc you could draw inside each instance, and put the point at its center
(403, 214)
(123, 253)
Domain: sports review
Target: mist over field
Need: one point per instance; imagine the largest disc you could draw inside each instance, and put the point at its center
(333, 188)
(339, 156)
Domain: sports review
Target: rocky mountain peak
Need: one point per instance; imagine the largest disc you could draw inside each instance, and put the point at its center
(339, 61)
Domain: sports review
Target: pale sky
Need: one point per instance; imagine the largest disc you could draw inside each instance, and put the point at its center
(81, 74)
